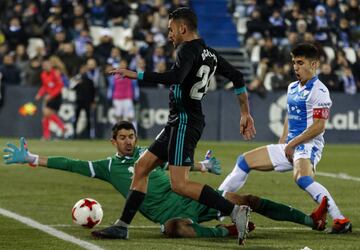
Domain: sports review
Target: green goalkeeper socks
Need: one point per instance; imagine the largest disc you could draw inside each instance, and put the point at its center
(281, 212)
(209, 231)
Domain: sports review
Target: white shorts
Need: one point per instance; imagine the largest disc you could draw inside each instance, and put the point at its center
(124, 108)
(303, 151)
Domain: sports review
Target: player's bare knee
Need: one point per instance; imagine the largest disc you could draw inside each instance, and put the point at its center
(178, 228)
(178, 187)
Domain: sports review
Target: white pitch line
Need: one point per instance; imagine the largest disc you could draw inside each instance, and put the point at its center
(342, 176)
(304, 228)
(49, 230)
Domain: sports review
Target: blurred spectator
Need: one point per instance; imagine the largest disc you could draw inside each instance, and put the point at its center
(103, 50)
(4, 49)
(348, 81)
(256, 26)
(98, 15)
(81, 41)
(280, 79)
(85, 98)
(352, 12)
(343, 33)
(78, 28)
(89, 52)
(292, 40)
(9, 70)
(268, 8)
(340, 61)
(32, 72)
(68, 56)
(117, 12)
(329, 78)
(15, 34)
(333, 11)
(57, 39)
(301, 29)
(277, 28)
(269, 53)
(321, 26)
(21, 58)
(115, 57)
(161, 20)
(95, 74)
(157, 57)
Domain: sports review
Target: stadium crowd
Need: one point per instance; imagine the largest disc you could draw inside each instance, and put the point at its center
(269, 30)
(83, 39)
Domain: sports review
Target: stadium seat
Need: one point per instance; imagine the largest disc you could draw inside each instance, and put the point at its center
(34, 44)
(255, 54)
(95, 33)
(241, 25)
(350, 54)
(330, 53)
(267, 81)
(119, 34)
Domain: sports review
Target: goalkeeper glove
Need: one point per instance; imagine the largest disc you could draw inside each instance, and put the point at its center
(20, 155)
(210, 164)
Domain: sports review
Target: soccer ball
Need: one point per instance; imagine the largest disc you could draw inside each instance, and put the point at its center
(87, 213)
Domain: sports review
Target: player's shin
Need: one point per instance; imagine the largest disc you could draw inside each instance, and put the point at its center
(237, 178)
(211, 198)
(317, 192)
(201, 231)
(281, 212)
(132, 205)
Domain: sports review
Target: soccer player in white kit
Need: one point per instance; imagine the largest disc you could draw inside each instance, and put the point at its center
(301, 144)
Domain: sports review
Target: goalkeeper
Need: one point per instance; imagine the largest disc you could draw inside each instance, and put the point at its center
(179, 216)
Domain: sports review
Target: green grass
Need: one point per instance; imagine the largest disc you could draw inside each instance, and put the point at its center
(47, 196)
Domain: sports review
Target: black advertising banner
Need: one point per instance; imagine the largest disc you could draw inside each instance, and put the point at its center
(221, 111)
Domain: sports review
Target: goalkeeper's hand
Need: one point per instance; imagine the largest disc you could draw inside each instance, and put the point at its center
(20, 155)
(210, 164)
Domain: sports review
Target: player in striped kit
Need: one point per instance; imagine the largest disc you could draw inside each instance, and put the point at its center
(301, 144)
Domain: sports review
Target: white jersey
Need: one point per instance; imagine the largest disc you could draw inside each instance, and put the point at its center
(304, 103)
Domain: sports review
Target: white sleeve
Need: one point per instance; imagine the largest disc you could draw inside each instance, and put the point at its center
(321, 98)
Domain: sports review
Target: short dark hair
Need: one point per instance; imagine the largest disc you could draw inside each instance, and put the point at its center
(122, 125)
(306, 50)
(187, 15)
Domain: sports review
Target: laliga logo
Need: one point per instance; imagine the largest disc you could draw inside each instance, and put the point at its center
(349, 120)
(276, 115)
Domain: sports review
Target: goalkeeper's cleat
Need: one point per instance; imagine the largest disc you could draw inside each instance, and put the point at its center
(241, 216)
(233, 230)
(341, 226)
(319, 215)
(112, 232)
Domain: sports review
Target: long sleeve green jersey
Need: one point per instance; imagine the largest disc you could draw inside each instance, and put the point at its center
(160, 204)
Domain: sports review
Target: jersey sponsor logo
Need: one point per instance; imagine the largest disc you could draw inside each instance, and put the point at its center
(324, 104)
(131, 171)
(304, 94)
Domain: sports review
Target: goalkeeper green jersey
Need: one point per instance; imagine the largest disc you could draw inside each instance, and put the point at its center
(160, 204)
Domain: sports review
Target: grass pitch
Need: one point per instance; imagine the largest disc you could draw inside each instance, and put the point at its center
(47, 196)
